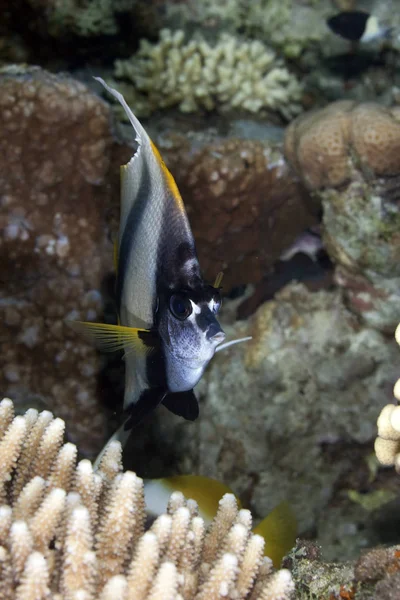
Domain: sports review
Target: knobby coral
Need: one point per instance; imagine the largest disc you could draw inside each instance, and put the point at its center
(347, 155)
(232, 74)
(387, 444)
(70, 533)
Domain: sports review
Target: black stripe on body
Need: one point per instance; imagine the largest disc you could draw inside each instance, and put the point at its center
(131, 229)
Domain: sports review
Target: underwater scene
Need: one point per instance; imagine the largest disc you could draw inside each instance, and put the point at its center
(200, 299)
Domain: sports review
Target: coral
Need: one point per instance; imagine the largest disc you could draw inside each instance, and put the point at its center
(288, 25)
(195, 75)
(83, 18)
(55, 149)
(374, 575)
(280, 415)
(244, 206)
(387, 444)
(347, 154)
(86, 538)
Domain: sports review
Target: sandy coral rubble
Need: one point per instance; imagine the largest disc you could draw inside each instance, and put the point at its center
(68, 532)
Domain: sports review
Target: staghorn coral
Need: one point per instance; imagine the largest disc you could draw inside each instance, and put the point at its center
(78, 534)
(195, 75)
(348, 155)
(387, 444)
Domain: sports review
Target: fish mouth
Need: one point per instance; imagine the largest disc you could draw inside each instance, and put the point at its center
(218, 338)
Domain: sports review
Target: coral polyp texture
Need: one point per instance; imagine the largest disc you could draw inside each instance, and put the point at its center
(348, 155)
(195, 76)
(67, 531)
(387, 444)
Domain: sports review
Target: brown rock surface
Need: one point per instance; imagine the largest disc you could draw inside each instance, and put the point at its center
(55, 149)
(244, 206)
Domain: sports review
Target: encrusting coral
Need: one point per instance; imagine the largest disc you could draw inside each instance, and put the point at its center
(232, 74)
(387, 444)
(68, 532)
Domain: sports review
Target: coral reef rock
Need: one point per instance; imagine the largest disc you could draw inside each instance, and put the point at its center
(55, 190)
(348, 155)
(244, 205)
(67, 531)
(284, 416)
(195, 76)
(374, 575)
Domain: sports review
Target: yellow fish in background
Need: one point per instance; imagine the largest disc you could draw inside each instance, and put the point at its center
(279, 528)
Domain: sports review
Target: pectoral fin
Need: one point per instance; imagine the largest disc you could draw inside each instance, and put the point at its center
(111, 338)
(183, 404)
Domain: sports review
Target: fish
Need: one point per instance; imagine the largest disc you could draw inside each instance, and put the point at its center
(278, 528)
(167, 313)
(358, 26)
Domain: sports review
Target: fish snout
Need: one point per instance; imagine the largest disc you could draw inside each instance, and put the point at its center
(215, 333)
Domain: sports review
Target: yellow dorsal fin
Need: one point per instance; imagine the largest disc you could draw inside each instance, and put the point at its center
(218, 280)
(169, 178)
(111, 338)
(279, 529)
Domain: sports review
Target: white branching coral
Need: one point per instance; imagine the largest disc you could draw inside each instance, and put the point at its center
(68, 532)
(232, 74)
(387, 444)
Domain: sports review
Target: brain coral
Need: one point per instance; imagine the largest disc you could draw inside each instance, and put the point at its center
(348, 155)
(195, 75)
(325, 146)
(55, 152)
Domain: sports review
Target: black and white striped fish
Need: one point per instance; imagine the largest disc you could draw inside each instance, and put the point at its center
(167, 313)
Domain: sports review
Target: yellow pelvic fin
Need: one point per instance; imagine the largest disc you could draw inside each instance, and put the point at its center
(111, 338)
(169, 178)
(206, 491)
(279, 529)
(218, 280)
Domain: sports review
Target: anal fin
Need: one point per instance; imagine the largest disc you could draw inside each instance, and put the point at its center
(183, 404)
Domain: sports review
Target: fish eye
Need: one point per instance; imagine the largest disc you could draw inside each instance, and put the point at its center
(180, 306)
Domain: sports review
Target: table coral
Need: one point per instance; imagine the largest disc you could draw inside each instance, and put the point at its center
(195, 75)
(55, 153)
(348, 155)
(71, 532)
